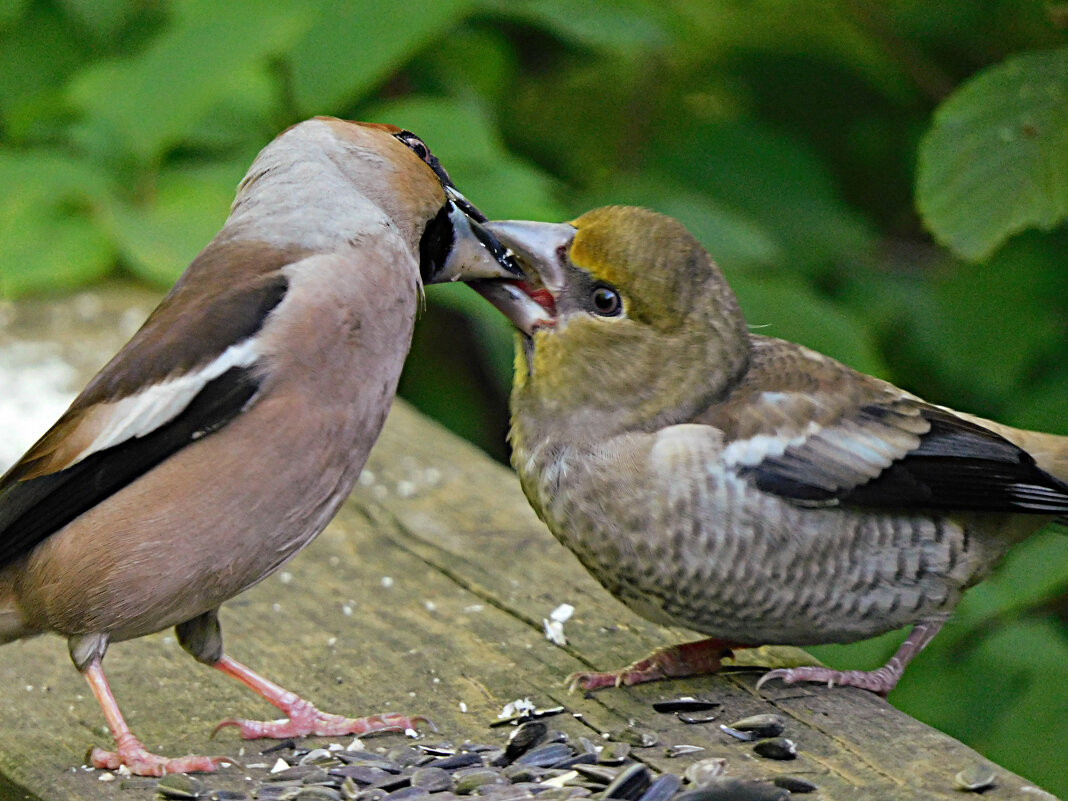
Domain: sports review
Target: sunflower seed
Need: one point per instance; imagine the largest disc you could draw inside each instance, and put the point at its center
(795, 784)
(776, 748)
(630, 784)
(685, 703)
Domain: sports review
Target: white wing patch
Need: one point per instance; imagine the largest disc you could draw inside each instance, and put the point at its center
(754, 450)
(156, 405)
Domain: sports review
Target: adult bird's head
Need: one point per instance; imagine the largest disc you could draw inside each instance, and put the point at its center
(297, 180)
(626, 322)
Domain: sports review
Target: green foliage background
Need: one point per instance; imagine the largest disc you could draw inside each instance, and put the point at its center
(819, 148)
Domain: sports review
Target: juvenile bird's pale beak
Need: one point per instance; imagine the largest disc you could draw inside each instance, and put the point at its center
(542, 249)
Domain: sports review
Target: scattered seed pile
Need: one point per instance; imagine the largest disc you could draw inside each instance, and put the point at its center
(534, 761)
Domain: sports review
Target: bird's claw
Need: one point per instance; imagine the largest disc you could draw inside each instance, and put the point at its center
(142, 762)
(309, 721)
(671, 662)
(876, 681)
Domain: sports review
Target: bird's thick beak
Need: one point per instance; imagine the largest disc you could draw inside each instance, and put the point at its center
(542, 250)
(472, 252)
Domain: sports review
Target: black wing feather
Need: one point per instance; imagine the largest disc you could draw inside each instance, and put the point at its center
(32, 509)
(958, 465)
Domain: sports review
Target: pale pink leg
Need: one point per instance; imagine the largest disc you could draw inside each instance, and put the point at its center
(674, 661)
(302, 719)
(880, 681)
(131, 752)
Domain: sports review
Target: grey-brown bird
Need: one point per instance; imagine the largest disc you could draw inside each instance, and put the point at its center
(223, 437)
(738, 485)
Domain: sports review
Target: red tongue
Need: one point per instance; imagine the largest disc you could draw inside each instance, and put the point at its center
(541, 296)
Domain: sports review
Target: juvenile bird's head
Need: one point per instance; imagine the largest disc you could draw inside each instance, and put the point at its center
(628, 324)
(324, 182)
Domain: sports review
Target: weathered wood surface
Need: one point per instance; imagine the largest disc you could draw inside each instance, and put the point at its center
(427, 592)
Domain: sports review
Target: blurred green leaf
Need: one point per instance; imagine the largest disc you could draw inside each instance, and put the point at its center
(995, 161)
(774, 181)
(995, 321)
(148, 102)
(353, 44)
(494, 333)
(734, 240)
(11, 10)
(102, 17)
(619, 25)
(461, 135)
(47, 235)
(472, 58)
(1041, 407)
(789, 309)
(158, 241)
(37, 55)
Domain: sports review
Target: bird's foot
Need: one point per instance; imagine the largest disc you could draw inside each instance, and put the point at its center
(880, 681)
(674, 661)
(305, 720)
(141, 762)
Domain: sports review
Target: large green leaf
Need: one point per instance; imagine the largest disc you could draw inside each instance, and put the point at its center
(353, 44)
(618, 25)
(734, 239)
(775, 181)
(995, 161)
(159, 239)
(150, 101)
(48, 235)
(787, 308)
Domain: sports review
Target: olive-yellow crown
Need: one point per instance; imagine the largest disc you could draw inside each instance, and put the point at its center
(652, 259)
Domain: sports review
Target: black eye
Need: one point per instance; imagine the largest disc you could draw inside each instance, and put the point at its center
(606, 301)
(416, 144)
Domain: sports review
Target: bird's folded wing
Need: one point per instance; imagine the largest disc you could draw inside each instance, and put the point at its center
(188, 371)
(808, 429)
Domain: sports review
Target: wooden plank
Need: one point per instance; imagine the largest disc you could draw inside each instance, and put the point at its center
(426, 592)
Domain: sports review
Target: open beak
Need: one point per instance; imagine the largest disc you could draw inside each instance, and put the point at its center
(473, 252)
(542, 250)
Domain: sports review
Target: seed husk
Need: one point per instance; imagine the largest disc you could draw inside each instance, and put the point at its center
(630, 784)
(179, 785)
(361, 774)
(639, 738)
(705, 771)
(597, 774)
(317, 794)
(725, 788)
(613, 753)
(685, 703)
(523, 738)
(776, 748)
(467, 781)
(795, 784)
(662, 788)
(756, 726)
(433, 780)
(695, 719)
(545, 756)
(681, 749)
(976, 778)
(464, 759)
(408, 794)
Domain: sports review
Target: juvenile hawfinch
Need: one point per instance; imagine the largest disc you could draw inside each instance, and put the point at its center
(223, 437)
(738, 485)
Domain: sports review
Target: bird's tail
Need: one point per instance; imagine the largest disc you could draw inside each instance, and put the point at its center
(1050, 451)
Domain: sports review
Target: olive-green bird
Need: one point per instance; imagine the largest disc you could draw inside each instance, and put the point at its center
(739, 485)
